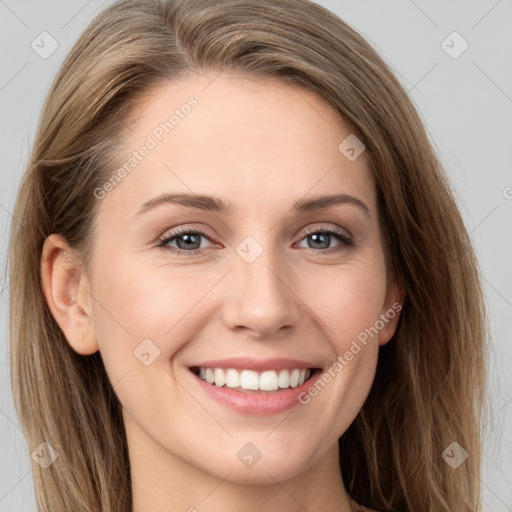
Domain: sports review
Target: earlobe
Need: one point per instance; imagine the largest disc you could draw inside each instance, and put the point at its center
(390, 314)
(66, 291)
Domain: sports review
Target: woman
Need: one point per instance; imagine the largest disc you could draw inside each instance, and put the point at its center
(247, 280)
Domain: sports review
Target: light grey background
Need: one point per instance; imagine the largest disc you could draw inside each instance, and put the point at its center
(465, 102)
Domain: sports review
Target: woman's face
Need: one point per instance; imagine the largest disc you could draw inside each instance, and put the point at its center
(274, 281)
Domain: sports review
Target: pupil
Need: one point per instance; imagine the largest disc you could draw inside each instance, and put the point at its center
(189, 241)
(315, 239)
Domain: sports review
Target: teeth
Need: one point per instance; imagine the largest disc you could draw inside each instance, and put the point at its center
(249, 380)
(294, 378)
(269, 380)
(232, 378)
(209, 376)
(283, 380)
(220, 378)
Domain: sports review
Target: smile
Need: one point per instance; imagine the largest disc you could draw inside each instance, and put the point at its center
(255, 386)
(251, 380)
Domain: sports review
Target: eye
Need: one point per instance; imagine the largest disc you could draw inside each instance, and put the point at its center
(187, 241)
(321, 239)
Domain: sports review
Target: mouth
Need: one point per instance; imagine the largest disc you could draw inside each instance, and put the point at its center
(251, 386)
(251, 381)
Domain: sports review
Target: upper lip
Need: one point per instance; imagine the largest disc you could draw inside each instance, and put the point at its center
(249, 363)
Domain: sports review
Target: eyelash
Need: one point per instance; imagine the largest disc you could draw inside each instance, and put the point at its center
(346, 240)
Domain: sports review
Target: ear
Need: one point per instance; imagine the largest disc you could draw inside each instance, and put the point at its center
(393, 303)
(66, 290)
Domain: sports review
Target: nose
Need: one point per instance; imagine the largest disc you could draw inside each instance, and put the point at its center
(261, 299)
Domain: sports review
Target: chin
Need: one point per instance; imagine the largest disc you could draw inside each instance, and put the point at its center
(248, 466)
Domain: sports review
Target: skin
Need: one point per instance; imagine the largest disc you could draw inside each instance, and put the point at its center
(261, 145)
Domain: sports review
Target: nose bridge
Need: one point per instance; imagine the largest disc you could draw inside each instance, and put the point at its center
(261, 300)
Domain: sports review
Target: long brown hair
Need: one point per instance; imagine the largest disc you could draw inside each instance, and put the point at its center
(429, 386)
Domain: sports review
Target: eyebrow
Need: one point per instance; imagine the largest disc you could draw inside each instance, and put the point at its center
(217, 205)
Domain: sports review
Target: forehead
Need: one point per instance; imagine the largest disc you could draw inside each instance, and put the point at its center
(256, 143)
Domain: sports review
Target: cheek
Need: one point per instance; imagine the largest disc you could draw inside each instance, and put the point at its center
(348, 301)
(135, 302)
(141, 321)
(350, 310)
(345, 299)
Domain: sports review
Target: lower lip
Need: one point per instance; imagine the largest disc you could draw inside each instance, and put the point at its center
(257, 403)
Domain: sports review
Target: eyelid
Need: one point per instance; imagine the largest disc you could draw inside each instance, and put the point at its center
(330, 227)
(344, 237)
(189, 228)
(205, 231)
